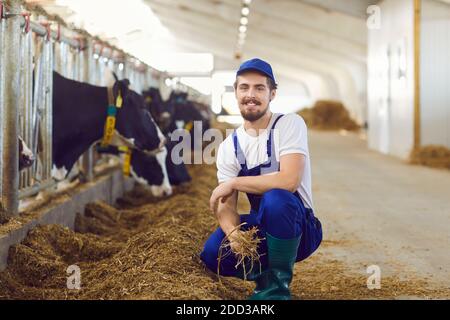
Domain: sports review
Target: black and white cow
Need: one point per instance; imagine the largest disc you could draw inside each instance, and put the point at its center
(164, 112)
(79, 115)
(147, 169)
(175, 113)
(157, 171)
(186, 116)
(178, 173)
(158, 108)
(143, 166)
(26, 157)
(185, 111)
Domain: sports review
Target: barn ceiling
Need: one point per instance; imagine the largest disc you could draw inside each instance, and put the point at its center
(317, 47)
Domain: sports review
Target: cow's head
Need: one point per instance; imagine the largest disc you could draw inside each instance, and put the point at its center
(180, 97)
(26, 157)
(134, 121)
(158, 108)
(148, 170)
(178, 173)
(151, 171)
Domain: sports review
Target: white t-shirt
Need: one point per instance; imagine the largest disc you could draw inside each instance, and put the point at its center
(290, 137)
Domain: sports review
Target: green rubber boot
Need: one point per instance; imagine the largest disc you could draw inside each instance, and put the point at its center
(256, 275)
(273, 283)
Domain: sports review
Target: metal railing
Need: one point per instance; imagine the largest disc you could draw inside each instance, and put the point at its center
(29, 53)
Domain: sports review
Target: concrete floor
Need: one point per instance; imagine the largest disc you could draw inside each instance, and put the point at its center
(380, 210)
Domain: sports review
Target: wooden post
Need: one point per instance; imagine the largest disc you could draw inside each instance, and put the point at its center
(417, 52)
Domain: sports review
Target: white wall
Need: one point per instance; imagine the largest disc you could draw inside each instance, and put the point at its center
(391, 95)
(435, 73)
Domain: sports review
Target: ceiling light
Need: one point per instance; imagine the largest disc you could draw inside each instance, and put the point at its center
(247, 2)
(245, 11)
(244, 21)
(242, 29)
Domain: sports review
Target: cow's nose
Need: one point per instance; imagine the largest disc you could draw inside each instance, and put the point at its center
(165, 115)
(26, 162)
(30, 160)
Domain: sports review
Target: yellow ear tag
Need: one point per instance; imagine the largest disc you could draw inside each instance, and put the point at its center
(189, 126)
(127, 164)
(124, 149)
(110, 127)
(119, 101)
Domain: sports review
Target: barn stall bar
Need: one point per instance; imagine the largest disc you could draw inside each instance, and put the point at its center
(32, 51)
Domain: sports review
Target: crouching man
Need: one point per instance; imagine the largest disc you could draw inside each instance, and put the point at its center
(268, 159)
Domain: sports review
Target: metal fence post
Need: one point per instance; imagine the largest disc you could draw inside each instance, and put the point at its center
(2, 90)
(88, 156)
(47, 121)
(26, 102)
(12, 97)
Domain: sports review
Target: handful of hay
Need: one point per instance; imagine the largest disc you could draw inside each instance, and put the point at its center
(246, 250)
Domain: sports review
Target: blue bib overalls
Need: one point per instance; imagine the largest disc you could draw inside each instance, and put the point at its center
(277, 212)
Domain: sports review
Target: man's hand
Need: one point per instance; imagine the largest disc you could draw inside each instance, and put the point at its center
(223, 191)
(235, 245)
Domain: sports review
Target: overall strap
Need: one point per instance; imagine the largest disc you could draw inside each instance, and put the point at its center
(240, 156)
(270, 147)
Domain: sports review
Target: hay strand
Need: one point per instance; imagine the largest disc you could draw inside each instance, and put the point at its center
(247, 253)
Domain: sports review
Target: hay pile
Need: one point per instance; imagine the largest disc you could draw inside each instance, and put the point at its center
(42, 259)
(329, 115)
(431, 156)
(147, 249)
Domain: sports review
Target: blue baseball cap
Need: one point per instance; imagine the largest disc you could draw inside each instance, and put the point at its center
(257, 65)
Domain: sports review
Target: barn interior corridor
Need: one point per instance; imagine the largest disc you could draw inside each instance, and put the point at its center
(137, 137)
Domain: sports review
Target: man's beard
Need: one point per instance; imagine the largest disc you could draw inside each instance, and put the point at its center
(253, 116)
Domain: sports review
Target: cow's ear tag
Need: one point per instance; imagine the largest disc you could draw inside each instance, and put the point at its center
(189, 126)
(127, 163)
(119, 101)
(124, 149)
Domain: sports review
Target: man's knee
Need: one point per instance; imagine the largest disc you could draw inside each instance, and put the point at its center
(280, 214)
(209, 259)
(278, 201)
(210, 255)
